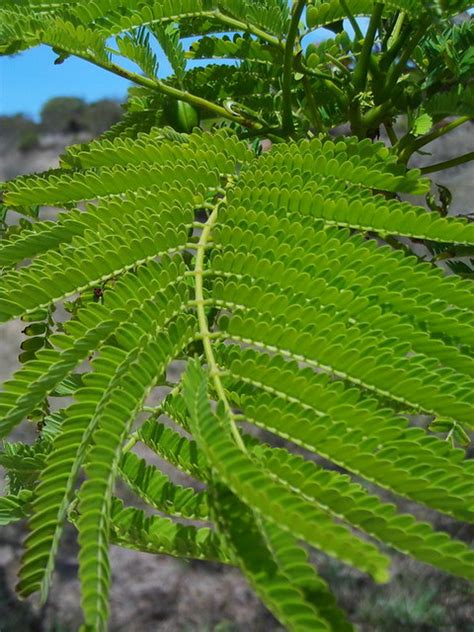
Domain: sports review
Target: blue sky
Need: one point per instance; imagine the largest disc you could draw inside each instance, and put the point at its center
(29, 79)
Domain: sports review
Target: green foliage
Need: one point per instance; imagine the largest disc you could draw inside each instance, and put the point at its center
(220, 224)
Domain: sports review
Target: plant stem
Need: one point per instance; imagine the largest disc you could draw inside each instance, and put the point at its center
(130, 443)
(395, 34)
(237, 25)
(396, 70)
(362, 68)
(407, 148)
(374, 116)
(320, 75)
(203, 324)
(448, 164)
(339, 64)
(396, 44)
(331, 83)
(156, 412)
(391, 133)
(245, 26)
(183, 95)
(287, 115)
(352, 20)
(164, 88)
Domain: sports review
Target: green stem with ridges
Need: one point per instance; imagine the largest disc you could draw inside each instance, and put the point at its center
(203, 324)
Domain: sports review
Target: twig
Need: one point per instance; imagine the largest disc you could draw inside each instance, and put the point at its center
(448, 164)
(164, 88)
(287, 115)
(362, 69)
(391, 133)
(407, 148)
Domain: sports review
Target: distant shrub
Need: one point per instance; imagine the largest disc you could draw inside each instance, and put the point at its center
(28, 140)
(63, 115)
(101, 115)
(12, 128)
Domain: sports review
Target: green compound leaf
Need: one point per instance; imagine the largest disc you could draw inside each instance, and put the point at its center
(253, 484)
(271, 257)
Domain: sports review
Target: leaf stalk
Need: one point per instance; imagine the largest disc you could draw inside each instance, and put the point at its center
(204, 326)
